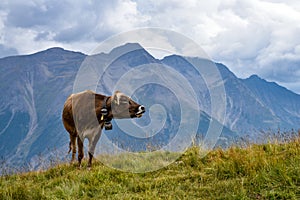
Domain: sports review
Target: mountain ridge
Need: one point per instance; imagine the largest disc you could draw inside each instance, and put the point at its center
(35, 86)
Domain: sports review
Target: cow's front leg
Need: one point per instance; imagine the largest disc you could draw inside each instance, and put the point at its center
(90, 160)
(92, 145)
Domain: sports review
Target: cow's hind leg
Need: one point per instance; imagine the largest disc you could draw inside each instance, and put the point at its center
(80, 150)
(73, 147)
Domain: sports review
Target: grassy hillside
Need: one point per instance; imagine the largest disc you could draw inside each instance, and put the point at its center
(270, 171)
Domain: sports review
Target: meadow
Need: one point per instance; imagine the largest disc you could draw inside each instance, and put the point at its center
(255, 171)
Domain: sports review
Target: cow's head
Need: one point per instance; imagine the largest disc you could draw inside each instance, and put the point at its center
(125, 107)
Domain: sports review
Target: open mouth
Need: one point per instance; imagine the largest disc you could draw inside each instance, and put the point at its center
(140, 113)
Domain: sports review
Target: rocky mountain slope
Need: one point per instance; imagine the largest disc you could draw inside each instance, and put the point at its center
(34, 88)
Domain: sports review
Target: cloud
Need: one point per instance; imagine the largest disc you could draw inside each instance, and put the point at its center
(7, 51)
(64, 22)
(31, 14)
(250, 37)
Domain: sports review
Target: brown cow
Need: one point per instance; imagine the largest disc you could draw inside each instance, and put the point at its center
(86, 113)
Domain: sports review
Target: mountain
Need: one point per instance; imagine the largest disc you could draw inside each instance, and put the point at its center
(281, 103)
(142, 70)
(245, 112)
(34, 88)
(252, 104)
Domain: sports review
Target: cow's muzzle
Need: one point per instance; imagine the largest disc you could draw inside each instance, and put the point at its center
(140, 111)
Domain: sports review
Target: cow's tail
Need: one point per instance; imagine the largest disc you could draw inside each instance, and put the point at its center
(70, 147)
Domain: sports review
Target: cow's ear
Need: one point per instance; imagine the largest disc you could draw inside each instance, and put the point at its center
(116, 97)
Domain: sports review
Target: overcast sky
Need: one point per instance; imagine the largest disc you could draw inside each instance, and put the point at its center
(249, 36)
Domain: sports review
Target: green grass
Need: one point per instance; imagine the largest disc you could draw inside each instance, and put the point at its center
(269, 171)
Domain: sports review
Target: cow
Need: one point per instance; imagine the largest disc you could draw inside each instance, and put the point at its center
(85, 114)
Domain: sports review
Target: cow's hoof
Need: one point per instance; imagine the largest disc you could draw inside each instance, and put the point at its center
(89, 168)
